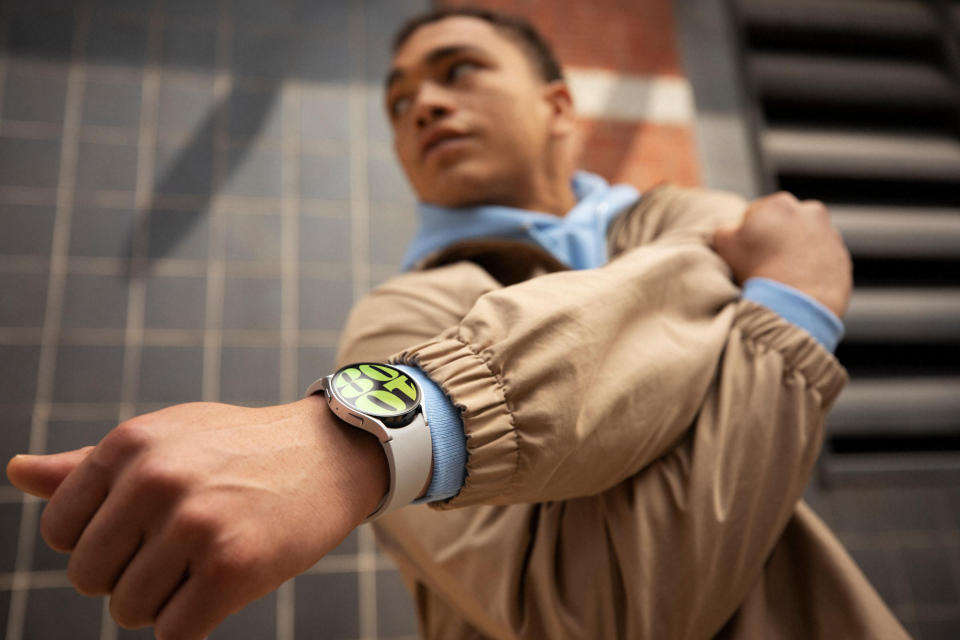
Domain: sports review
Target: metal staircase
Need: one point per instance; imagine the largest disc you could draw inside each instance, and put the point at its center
(857, 103)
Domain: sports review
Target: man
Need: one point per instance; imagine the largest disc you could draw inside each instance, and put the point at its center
(636, 436)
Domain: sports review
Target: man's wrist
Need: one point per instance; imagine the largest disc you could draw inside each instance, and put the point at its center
(361, 456)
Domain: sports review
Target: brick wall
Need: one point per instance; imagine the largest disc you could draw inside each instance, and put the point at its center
(622, 59)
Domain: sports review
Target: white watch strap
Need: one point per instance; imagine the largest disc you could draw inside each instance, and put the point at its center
(409, 452)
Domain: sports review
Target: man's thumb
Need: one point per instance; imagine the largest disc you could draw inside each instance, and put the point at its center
(41, 475)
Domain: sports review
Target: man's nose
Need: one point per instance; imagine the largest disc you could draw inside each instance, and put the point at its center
(424, 118)
(432, 104)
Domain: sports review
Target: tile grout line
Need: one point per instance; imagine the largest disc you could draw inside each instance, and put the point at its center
(179, 267)
(146, 147)
(57, 578)
(289, 295)
(69, 149)
(3, 73)
(10, 494)
(166, 337)
(359, 202)
(123, 199)
(136, 292)
(359, 214)
(216, 267)
(4, 58)
(288, 96)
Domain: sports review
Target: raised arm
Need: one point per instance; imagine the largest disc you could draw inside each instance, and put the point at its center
(613, 363)
(701, 451)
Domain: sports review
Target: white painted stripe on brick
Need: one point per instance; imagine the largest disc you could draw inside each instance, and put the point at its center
(605, 95)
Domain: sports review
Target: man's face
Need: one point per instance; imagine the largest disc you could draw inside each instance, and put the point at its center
(470, 120)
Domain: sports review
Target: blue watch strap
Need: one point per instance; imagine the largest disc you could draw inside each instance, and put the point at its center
(446, 432)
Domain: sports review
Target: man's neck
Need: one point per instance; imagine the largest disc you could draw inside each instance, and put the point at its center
(558, 205)
(556, 199)
(552, 196)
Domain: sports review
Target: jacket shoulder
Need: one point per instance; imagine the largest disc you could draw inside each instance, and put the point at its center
(682, 214)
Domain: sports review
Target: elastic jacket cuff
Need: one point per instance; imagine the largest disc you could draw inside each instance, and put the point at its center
(766, 329)
(797, 308)
(492, 448)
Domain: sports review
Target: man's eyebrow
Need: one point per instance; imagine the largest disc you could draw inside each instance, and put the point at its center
(433, 57)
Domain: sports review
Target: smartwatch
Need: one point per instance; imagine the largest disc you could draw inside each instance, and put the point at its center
(388, 403)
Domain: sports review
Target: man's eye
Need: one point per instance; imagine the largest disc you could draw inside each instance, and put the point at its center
(461, 69)
(399, 106)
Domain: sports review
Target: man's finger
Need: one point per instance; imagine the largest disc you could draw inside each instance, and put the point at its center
(74, 503)
(196, 608)
(155, 573)
(41, 475)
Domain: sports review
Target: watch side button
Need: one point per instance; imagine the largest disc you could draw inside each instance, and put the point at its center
(348, 416)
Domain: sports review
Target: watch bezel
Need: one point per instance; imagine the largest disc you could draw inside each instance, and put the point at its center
(390, 420)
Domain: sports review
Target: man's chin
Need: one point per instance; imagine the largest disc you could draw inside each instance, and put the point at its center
(462, 188)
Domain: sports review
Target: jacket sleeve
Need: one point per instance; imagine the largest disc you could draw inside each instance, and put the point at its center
(692, 418)
(673, 215)
(707, 515)
(679, 542)
(674, 549)
(612, 363)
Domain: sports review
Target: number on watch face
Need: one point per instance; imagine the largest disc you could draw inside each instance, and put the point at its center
(376, 389)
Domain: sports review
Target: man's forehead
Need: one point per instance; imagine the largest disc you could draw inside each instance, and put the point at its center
(451, 32)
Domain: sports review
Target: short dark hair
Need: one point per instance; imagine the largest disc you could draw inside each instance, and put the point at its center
(533, 45)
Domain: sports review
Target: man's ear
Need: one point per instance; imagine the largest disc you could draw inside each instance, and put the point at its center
(558, 97)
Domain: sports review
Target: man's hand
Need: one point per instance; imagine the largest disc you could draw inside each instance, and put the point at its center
(792, 242)
(187, 514)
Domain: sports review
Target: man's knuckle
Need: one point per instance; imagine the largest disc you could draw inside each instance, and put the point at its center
(128, 437)
(162, 478)
(782, 199)
(195, 524)
(126, 613)
(53, 532)
(230, 563)
(165, 629)
(86, 581)
(816, 207)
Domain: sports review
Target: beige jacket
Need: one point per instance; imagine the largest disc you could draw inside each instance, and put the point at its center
(638, 436)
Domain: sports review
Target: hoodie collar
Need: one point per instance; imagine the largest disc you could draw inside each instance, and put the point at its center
(578, 239)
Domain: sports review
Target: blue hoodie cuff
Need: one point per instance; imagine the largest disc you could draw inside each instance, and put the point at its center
(446, 433)
(797, 308)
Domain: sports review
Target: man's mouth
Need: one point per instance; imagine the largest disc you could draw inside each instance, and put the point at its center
(440, 140)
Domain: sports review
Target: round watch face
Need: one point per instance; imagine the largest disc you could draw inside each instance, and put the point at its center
(376, 389)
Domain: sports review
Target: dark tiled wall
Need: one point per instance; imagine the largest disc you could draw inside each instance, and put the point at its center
(192, 195)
